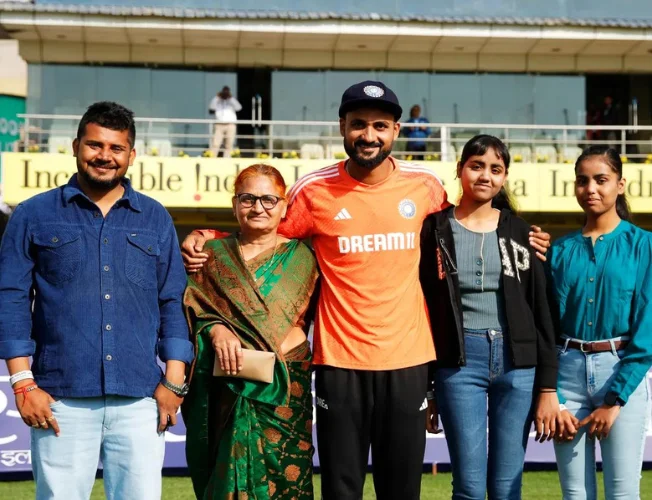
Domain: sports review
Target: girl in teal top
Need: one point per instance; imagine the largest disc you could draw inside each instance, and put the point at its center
(601, 284)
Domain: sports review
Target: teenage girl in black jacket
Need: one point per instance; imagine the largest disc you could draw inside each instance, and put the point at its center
(486, 295)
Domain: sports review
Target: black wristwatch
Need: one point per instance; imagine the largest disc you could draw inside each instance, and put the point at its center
(612, 399)
(179, 390)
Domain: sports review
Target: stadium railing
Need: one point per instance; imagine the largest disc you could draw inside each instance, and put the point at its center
(321, 139)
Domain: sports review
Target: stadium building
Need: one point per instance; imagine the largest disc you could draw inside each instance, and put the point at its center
(544, 71)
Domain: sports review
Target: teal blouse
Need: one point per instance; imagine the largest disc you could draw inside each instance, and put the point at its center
(604, 291)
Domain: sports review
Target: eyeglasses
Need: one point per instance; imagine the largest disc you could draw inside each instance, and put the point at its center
(268, 201)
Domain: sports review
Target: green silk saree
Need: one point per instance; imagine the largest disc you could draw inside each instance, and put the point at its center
(246, 439)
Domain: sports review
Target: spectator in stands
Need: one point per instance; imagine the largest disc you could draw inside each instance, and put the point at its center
(601, 283)
(224, 108)
(608, 112)
(416, 144)
(91, 287)
(610, 118)
(593, 117)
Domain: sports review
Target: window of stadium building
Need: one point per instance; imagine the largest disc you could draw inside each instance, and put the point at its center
(574, 9)
(443, 98)
(309, 95)
(155, 93)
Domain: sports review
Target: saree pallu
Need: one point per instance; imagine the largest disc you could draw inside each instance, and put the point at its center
(246, 439)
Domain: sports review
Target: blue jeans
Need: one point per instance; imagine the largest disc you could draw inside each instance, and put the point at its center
(121, 431)
(583, 380)
(489, 378)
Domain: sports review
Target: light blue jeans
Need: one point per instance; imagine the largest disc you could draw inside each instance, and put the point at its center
(488, 386)
(583, 380)
(122, 432)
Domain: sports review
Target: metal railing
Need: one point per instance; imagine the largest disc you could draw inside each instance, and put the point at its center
(321, 139)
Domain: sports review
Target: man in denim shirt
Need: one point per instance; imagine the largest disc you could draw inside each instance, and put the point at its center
(91, 286)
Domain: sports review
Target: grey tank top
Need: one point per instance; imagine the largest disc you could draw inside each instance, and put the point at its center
(479, 267)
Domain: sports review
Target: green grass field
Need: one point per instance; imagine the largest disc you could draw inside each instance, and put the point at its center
(536, 485)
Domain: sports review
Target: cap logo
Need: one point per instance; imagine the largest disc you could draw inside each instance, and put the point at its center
(373, 91)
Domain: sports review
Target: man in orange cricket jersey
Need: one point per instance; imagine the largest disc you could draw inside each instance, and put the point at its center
(372, 343)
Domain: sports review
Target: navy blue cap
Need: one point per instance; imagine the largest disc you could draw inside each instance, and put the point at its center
(370, 94)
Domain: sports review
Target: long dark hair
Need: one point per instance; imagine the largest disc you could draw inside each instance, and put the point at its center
(478, 146)
(611, 158)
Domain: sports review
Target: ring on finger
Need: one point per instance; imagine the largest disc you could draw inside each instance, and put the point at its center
(36, 426)
(50, 418)
(43, 424)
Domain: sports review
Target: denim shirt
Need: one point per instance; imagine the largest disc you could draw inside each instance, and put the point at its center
(604, 291)
(93, 299)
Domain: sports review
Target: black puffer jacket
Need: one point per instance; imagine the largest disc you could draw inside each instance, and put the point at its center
(530, 328)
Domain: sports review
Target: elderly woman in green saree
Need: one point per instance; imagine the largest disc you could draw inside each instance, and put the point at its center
(248, 439)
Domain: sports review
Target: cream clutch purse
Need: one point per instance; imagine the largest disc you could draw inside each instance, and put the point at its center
(256, 365)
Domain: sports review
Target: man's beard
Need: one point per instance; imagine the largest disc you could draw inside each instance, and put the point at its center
(94, 182)
(369, 163)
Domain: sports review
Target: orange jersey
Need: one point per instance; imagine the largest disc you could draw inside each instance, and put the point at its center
(371, 313)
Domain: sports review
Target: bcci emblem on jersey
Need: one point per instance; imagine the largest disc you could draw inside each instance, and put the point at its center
(407, 208)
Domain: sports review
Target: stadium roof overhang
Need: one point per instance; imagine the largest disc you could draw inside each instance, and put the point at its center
(124, 35)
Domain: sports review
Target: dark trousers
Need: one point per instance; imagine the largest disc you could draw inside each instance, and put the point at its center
(384, 409)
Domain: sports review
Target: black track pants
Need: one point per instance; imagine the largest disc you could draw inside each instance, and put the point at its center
(384, 409)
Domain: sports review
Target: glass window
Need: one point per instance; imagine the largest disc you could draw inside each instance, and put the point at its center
(156, 93)
(63, 90)
(444, 98)
(131, 87)
(507, 99)
(308, 101)
(455, 98)
(559, 99)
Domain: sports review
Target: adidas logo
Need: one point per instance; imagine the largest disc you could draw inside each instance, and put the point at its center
(424, 405)
(343, 215)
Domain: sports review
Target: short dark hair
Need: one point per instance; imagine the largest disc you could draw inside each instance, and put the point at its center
(109, 115)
